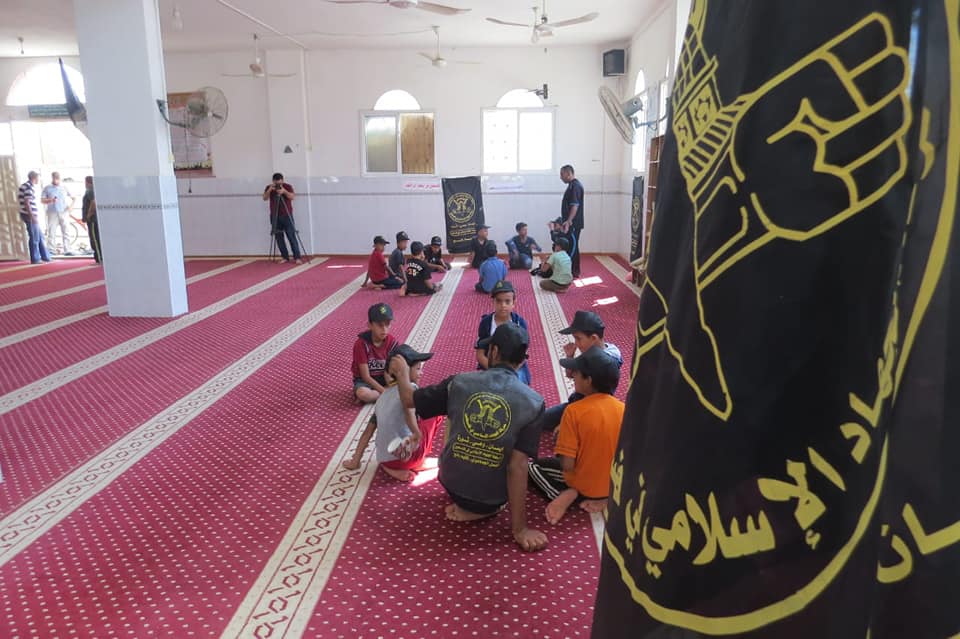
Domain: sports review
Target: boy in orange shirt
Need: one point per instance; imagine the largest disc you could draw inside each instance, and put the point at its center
(586, 440)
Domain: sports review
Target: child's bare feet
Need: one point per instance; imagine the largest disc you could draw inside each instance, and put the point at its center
(593, 505)
(456, 513)
(557, 508)
(352, 464)
(429, 463)
(403, 290)
(399, 475)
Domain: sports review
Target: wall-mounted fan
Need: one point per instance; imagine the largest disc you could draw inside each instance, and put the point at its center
(205, 112)
(622, 114)
(407, 4)
(438, 60)
(256, 67)
(542, 27)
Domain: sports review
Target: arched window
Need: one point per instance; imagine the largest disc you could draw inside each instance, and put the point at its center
(519, 99)
(518, 134)
(43, 84)
(639, 162)
(396, 100)
(398, 137)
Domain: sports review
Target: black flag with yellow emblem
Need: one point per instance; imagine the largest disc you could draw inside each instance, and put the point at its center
(462, 210)
(636, 219)
(787, 463)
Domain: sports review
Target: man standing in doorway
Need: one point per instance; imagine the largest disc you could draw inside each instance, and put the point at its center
(58, 202)
(89, 212)
(280, 194)
(27, 198)
(572, 215)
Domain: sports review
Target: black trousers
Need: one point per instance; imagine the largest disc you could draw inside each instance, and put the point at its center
(283, 225)
(573, 236)
(93, 230)
(546, 474)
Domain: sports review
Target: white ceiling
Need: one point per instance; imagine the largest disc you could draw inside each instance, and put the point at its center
(47, 26)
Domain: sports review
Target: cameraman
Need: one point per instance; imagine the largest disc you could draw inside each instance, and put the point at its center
(280, 194)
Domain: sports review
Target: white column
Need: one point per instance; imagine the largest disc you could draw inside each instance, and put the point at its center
(122, 61)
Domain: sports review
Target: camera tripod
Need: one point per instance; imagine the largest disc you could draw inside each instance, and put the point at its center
(277, 234)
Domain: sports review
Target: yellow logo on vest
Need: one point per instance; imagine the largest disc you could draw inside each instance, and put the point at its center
(486, 416)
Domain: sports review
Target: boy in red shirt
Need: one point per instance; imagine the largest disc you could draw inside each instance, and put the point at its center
(379, 275)
(587, 439)
(370, 353)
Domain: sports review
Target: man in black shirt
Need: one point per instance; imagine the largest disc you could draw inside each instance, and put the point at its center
(89, 213)
(571, 211)
(477, 252)
(492, 432)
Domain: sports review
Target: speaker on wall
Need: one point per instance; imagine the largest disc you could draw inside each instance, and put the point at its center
(614, 63)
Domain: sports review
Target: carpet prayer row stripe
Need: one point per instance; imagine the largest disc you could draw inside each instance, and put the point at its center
(21, 272)
(65, 280)
(46, 510)
(283, 597)
(618, 270)
(66, 321)
(49, 437)
(45, 276)
(51, 382)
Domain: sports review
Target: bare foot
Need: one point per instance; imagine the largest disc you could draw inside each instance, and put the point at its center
(456, 513)
(403, 290)
(593, 505)
(557, 508)
(351, 464)
(399, 475)
(428, 463)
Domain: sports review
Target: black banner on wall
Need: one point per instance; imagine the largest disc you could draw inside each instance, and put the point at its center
(787, 465)
(636, 219)
(462, 210)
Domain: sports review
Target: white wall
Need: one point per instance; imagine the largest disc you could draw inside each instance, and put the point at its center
(339, 211)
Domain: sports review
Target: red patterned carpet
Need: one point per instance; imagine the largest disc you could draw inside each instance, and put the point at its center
(155, 483)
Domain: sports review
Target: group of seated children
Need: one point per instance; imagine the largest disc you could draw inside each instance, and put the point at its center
(411, 275)
(589, 424)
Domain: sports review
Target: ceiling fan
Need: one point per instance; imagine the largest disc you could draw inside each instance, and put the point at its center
(542, 27)
(256, 67)
(406, 4)
(438, 60)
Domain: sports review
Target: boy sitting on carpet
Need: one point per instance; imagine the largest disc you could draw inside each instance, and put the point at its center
(418, 274)
(379, 275)
(370, 354)
(504, 298)
(557, 268)
(435, 255)
(580, 471)
(492, 269)
(402, 443)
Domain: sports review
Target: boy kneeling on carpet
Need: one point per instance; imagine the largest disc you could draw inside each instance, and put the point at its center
(586, 441)
(492, 432)
(402, 443)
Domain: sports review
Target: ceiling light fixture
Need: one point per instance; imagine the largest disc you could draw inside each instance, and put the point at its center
(177, 22)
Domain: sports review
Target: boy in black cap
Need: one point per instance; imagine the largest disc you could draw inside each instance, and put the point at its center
(504, 299)
(587, 439)
(521, 247)
(397, 258)
(402, 443)
(587, 331)
(379, 274)
(370, 353)
(492, 433)
(435, 255)
(418, 274)
(477, 254)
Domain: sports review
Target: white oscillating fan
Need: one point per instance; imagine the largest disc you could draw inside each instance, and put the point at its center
(206, 112)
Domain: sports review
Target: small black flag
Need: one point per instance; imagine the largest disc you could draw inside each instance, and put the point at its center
(75, 108)
(462, 210)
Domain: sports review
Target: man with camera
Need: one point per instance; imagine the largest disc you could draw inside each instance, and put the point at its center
(280, 195)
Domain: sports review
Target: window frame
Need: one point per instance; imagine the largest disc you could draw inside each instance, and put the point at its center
(368, 113)
(553, 140)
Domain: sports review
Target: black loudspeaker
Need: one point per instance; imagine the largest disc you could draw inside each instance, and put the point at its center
(614, 63)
